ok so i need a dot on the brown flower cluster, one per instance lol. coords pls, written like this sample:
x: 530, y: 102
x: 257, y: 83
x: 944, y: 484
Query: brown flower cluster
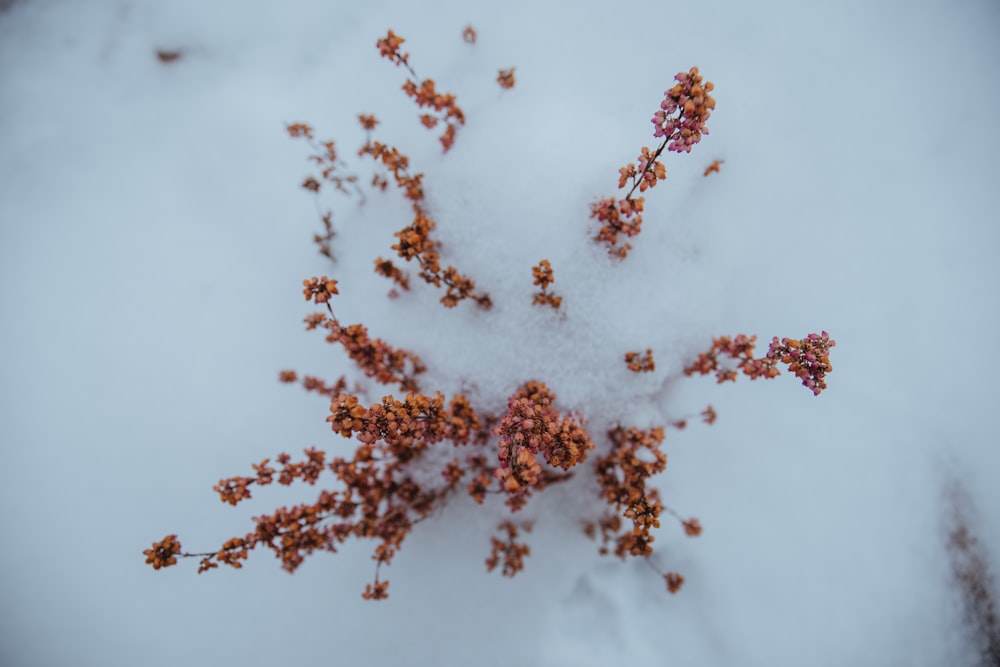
x: 708, y: 415
x: 543, y: 278
x: 713, y: 168
x: 692, y: 527
x: 414, y: 241
x: 378, y: 590
x: 319, y: 290
x: 623, y: 217
x: 506, y: 78
x: 640, y: 363
x: 237, y: 489
x: 469, y: 35
x: 649, y: 172
x: 379, y: 500
x: 618, y: 218
x: 385, y: 267
x: 506, y: 550
x: 623, y: 478
x: 376, y: 358
x: 163, y: 553
x: 533, y: 426
x: 674, y: 581
x: 315, y: 384
x: 405, y: 427
x: 374, y: 506
x: 423, y: 91
x: 622, y: 475
x: 741, y: 348
x: 296, y: 130
x: 808, y: 358
x: 397, y: 165
x: 388, y: 47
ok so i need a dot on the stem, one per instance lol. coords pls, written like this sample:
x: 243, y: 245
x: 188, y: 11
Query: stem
x: 649, y: 167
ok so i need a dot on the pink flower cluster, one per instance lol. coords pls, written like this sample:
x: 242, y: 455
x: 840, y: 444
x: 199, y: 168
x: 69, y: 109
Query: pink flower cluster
x: 690, y: 100
x: 690, y: 97
x: 808, y: 358
x: 532, y: 426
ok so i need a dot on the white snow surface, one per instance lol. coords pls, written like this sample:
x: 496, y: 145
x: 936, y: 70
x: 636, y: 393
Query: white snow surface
x: 153, y: 239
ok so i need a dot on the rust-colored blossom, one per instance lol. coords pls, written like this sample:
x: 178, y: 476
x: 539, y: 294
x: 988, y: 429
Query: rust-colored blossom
x: 507, y: 551
x: 163, y: 553
x: 319, y: 290
x: 640, y: 363
x: 424, y: 91
x: 300, y: 130
x: 388, y: 47
x: 709, y: 415
x: 692, y: 527
x: 506, y: 78
x: 543, y: 278
x: 415, y: 241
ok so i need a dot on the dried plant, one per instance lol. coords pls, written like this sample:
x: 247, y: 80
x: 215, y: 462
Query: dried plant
x: 680, y: 121
x: 390, y: 482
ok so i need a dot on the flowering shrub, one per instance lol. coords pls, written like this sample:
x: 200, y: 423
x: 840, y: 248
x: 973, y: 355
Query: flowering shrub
x: 414, y: 453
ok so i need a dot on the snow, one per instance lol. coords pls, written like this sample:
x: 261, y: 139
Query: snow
x: 153, y: 239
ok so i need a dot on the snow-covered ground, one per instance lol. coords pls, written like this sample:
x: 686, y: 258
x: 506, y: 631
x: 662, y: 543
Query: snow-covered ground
x: 153, y: 238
